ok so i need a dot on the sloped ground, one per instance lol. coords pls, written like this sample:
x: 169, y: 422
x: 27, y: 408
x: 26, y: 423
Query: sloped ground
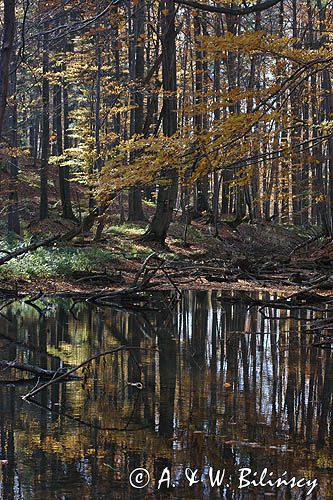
x: 261, y: 256
x: 322, y: 253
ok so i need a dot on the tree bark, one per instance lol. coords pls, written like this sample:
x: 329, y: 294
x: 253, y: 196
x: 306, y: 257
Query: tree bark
x: 44, y: 207
x: 13, y: 213
x: 136, y: 61
x: 167, y: 195
x: 201, y: 185
x: 64, y: 186
x: 67, y: 202
x: 5, y: 56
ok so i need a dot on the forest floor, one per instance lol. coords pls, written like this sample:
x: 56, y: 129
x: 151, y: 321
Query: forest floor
x: 262, y: 256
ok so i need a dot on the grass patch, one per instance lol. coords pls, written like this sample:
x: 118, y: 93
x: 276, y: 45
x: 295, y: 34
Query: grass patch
x: 194, y: 235
x: 60, y: 261
x: 127, y: 229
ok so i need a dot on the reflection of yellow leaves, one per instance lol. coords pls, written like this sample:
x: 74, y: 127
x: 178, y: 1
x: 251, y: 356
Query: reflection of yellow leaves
x: 68, y: 446
x: 324, y: 461
x: 165, y: 12
x: 227, y: 385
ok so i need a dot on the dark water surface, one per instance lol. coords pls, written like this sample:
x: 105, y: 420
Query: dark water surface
x: 228, y: 388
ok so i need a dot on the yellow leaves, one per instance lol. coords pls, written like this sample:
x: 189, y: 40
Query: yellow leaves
x: 9, y: 151
x: 165, y: 12
x: 253, y: 42
x: 245, y: 43
x: 138, y: 161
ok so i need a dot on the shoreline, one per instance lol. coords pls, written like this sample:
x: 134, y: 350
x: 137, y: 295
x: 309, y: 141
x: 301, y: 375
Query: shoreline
x: 67, y: 288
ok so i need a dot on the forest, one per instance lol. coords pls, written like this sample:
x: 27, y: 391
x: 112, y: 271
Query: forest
x: 143, y: 116
x: 165, y: 111
x: 166, y: 248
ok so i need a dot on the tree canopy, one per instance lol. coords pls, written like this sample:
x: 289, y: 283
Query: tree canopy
x: 226, y: 109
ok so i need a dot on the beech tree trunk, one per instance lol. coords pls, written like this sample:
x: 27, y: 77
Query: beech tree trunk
x: 64, y: 186
x: 201, y: 186
x: 44, y: 206
x: 13, y: 213
x: 217, y: 116
x: 227, y: 195
x: 67, y: 201
x: 61, y: 124
x: 167, y: 195
x: 136, y: 60
x: 5, y: 56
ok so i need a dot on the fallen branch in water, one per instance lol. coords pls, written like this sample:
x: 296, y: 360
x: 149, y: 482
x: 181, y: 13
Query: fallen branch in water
x: 65, y: 375
x: 91, y: 425
x: 327, y: 343
x: 142, y: 282
x: 36, y: 370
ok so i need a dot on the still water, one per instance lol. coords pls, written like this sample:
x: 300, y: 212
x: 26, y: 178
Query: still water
x: 223, y: 386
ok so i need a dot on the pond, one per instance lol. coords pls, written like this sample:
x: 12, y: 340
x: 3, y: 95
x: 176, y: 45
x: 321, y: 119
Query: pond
x: 209, y: 384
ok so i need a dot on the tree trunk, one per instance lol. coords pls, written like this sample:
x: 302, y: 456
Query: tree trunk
x: 98, y: 162
x: 217, y: 117
x: 201, y: 185
x: 13, y: 214
x: 227, y: 196
x: 296, y: 172
x: 252, y: 191
x: 167, y: 196
x: 136, y: 61
x: 67, y: 202
x: 44, y: 208
x: 64, y: 187
x: 5, y: 56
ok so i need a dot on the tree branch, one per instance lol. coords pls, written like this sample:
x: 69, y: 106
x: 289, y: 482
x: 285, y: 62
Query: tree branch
x: 233, y: 11
x: 67, y: 373
x: 36, y: 370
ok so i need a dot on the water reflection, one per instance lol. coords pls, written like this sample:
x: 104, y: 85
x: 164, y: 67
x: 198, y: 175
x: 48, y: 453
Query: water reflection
x: 228, y: 388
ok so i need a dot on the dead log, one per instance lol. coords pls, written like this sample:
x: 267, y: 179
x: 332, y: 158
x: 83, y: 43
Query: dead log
x: 306, y: 243
x: 141, y: 282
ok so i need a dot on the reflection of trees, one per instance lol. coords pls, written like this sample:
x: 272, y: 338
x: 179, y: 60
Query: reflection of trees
x: 8, y: 444
x: 280, y: 387
x: 167, y: 372
x: 325, y: 400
